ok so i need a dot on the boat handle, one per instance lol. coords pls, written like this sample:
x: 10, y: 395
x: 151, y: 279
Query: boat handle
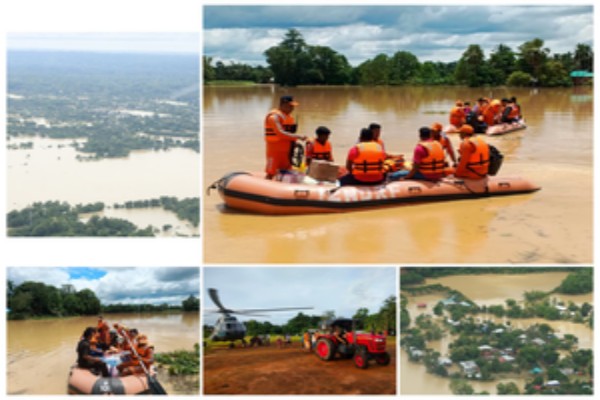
x: 301, y: 194
x: 414, y: 189
x: 504, y: 184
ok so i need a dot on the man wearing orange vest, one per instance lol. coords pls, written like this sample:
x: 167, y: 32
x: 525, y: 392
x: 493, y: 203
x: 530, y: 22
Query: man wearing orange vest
x: 145, y: 354
x: 319, y: 148
x: 474, y: 155
x: 457, y: 114
x: 437, y: 135
x: 280, y: 136
x: 365, y: 162
x: 429, y: 160
x: 103, y: 333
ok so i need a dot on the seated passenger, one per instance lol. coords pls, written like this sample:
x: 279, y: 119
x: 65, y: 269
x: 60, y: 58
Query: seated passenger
x: 510, y: 113
x: 457, y: 114
x: 438, y: 135
x: 365, y: 162
x: 84, y: 357
x: 474, y: 155
x: 376, y: 129
x: 320, y: 147
x: 145, y: 355
x: 429, y: 160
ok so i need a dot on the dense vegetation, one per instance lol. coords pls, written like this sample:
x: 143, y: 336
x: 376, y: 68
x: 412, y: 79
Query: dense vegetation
x: 181, y: 362
x: 118, y: 102
x: 294, y: 62
x: 186, y: 209
x: 54, y: 218
x: 578, y: 282
x: 36, y: 299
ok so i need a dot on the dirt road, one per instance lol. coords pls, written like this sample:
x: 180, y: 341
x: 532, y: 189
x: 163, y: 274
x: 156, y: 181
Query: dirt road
x: 271, y: 370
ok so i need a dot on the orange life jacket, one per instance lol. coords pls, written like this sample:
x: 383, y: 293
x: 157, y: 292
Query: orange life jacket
x: 146, y: 354
x: 368, y: 166
x: 478, y: 163
x: 272, y: 132
x: 457, y: 116
x: 321, y: 151
x: 435, y: 162
x: 514, y: 112
x: 104, y: 332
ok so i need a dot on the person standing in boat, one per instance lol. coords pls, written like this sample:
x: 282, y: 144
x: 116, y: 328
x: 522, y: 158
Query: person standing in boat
x: 280, y: 136
x: 104, y: 341
x: 365, y: 162
x: 85, y: 359
x: 429, y: 160
x: 320, y: 147
x: 474, y: 155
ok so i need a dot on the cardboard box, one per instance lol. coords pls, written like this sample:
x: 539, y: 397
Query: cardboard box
x: 323, y: 170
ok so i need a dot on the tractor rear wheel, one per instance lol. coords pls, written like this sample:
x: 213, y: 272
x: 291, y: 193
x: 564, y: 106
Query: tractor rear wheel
x: 325, y: 349
x: 361, y: 359
x: 383, y: 359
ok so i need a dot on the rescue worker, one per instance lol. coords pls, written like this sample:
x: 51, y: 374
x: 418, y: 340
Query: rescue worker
x: 365, y: 162
x: 438, y: 135
x: 429, y: 159
x: 474, y: 155
x: 457, y: 114
x: 145, y: 354
x: 103, y: 333
x: 280, y: 136
x: 393, y: 162
x: 85, y: 359
x: 511, y: 112
x: 492, y: 113
x: 306, y: 338
x: 376, y: 129
x: 320, y: 147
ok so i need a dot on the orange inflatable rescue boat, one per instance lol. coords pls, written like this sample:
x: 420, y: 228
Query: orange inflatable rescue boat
x: 252, y: 193
x: 83, y: 381
x: 494, y: 130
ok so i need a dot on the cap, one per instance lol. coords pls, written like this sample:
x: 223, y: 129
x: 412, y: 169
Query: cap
x: 289, y: 100
x: 436, y: 126
x: 468, y: 129
x: 322, y: 130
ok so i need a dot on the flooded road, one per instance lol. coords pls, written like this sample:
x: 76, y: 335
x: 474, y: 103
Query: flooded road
x: 40, y: 352
x: 50, y: 171
x: 550, y: 226
x: 487, y: 289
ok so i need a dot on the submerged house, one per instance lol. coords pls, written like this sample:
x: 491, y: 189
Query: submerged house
x: 581, y: 77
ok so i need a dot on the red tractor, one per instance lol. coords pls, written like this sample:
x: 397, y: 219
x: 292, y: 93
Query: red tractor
x: 343, y: 338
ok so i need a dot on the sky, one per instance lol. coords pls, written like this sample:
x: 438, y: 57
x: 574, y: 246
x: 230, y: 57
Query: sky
x: 432, y: 33
x: 107, y: 42
x: 154, y: 285
x: 340, y: 289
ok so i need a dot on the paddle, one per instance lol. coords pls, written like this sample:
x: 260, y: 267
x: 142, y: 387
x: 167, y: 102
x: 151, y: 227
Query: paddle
x: 153, y: 384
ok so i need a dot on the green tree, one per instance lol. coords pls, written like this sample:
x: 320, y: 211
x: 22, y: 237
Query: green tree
x: 208, y: 71
x: 583, y: 58
x: 532, y: 57
x: 289, y: 60
x: 89, y: 303
x: 507, y: 388
x: 461, y: 386
x: 375, y: 71
x: 471, y: 69
x: 327, y: 66
x: 502, y: 64
x: 192, y: 303
x: 402, y: 67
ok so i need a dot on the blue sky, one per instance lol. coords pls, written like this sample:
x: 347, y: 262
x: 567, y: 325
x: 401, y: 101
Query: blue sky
x: 154, y: 285
x: 149, y: 42
x: 432, y: 33
x: 340, y: 289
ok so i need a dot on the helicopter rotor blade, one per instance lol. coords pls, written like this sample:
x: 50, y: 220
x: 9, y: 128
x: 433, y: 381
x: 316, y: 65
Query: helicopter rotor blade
x: 252, y: 310
x: 214, y: 296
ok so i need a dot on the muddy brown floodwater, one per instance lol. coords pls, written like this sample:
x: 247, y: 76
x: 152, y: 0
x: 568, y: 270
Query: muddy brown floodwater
x: 553, y: 225
x: 487, y: 289
x: 40, y: 352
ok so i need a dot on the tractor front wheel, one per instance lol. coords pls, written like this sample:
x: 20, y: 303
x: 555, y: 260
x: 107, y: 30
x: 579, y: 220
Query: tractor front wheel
x: 325, y: 349
x: 361, y: 359
x: 383, y: 359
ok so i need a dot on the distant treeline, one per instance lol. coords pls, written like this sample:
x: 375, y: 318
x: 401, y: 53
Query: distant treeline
x: 54, y: 218
x: 580, y: 279
x: 36, y: 299
x: 382, y: 320
x: 294, y: 62
x: 186, y: 209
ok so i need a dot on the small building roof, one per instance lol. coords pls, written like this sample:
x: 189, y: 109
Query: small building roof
x: 581, y: 74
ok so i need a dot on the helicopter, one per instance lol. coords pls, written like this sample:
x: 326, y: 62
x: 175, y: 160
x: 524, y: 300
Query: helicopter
x: 228, y: 328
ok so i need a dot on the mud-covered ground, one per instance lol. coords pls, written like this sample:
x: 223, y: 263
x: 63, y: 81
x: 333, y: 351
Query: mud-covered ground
x: 292, y: 370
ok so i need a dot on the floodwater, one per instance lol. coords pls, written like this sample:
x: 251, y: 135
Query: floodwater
x: 50, y: 171
x: 40, y: 352
x: 553, y: 225
x: 487, y: 290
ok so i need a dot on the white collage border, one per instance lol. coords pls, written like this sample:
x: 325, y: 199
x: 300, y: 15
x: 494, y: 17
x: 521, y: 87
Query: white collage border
x: 135, y: 16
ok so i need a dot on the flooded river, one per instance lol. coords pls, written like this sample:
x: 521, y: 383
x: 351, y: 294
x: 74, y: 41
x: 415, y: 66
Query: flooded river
x: 487, y: 290
x: 40, y: 352
x: 51, y: 171
x: 550, y: 226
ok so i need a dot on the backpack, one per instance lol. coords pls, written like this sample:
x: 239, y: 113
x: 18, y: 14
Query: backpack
x: 496, y: 159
